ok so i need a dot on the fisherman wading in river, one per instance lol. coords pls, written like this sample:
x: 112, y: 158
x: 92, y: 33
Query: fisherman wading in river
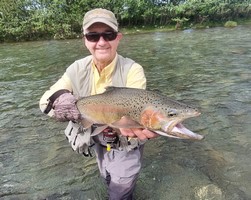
x: 103, y: 98
x: 89, y: 76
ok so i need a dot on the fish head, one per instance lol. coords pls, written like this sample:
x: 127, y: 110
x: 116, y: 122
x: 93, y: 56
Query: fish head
x: 172, y: 123
x: 167, y: 120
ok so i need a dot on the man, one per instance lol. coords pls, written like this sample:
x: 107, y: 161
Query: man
x: 89, y: 76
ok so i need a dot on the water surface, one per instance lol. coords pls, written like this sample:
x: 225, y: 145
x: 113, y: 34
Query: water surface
x: 209, y: 69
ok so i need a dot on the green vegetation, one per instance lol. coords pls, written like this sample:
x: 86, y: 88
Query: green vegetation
x: 45, y: 19
x: 230, y: 24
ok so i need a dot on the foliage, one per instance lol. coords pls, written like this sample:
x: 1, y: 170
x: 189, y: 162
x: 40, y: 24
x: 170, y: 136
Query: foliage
x: 230, y: 24
x: 40, y: 19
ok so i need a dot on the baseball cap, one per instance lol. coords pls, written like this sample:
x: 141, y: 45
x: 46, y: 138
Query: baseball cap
x: 100, y: 15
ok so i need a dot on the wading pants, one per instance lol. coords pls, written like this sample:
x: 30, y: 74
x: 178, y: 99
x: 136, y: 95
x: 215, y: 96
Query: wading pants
x: 120, y: 170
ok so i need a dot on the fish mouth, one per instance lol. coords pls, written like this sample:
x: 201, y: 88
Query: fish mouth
x: 180, y: 131
x: 175, y: 129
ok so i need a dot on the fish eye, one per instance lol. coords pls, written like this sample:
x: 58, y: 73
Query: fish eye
x: 172, y: 113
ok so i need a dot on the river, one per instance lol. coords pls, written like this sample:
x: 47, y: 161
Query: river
x: 209, y: 69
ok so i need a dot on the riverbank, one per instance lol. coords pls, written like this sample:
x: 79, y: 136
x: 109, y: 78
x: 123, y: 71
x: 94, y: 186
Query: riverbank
x: 139, y: 30
x: 172, y: 27
x: 167, y: 28
x: 43, y: 20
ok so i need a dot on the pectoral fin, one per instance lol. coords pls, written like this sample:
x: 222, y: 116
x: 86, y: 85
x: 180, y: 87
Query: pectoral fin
x: 126, y: 122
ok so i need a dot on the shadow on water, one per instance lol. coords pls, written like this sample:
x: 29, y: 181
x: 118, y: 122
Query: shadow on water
x: 209, y: 69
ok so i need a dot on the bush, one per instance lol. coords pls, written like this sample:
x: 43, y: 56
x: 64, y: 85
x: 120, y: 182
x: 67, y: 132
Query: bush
x: 230, y: 24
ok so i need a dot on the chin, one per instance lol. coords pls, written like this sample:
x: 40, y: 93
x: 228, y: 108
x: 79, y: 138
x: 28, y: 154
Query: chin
x: 103, y: 57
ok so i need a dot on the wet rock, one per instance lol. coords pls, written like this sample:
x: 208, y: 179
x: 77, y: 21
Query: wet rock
x: 210, y: 191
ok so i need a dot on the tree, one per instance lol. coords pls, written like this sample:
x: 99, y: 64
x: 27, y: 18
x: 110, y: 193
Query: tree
x: 35, y: 19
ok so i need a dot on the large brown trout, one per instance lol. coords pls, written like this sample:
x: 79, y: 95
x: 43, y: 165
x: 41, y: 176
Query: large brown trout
x: 138, y: 108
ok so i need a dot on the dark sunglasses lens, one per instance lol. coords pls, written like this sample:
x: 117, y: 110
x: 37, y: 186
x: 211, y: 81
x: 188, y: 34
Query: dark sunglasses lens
x: 109, y: 36
x: 94, y: 37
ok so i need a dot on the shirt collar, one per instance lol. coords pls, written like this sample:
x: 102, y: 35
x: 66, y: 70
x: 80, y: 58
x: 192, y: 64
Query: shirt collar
x: 108, y: 70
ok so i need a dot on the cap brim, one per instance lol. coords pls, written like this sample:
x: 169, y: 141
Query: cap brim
x: 100, y: 20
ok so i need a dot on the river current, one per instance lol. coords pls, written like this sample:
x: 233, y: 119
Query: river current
x: 209, y: 69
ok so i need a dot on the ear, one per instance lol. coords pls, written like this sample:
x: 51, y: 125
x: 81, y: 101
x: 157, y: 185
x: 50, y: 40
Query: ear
x: 120, y: 36
x: 84, y: 41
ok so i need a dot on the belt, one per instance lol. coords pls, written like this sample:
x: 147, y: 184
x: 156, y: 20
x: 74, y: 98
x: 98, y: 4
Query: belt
x: 109, y: 139
x: 129, y: 145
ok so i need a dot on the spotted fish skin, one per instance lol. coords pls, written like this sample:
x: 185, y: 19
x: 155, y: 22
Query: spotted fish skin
x: 137, y: 108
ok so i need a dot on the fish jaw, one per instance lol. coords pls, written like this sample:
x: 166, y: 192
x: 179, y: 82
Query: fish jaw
x: 181, y: 132
x: 176, y: 129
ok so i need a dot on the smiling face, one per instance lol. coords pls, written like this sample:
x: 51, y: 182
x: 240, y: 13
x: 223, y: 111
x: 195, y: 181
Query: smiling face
x: 103, y: 52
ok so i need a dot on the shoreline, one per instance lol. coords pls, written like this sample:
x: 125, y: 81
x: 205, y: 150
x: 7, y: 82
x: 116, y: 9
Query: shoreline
x: 167, y: 28
x: 145, y: 29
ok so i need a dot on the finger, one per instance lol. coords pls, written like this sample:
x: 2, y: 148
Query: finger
x: 149, y: 134
x: 139, y: 133
x: 127, y: 132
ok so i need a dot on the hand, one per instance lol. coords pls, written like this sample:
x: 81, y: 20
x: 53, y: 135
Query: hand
x: 65, y: 108
x: 142, y: 134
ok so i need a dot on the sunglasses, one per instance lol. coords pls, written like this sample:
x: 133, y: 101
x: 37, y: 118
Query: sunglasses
x: 95, y: 37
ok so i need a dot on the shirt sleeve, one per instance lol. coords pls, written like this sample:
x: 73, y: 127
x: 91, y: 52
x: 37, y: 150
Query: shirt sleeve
x: 63, y: 83
x: 136, y: 77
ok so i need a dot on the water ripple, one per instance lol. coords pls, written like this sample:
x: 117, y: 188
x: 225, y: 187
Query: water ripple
x: 209, y: 69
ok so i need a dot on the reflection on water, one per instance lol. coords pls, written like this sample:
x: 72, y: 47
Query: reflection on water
x: 208, y: 68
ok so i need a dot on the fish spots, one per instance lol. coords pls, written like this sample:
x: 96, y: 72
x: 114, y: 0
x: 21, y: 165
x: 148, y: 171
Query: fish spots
x: 148, y: 108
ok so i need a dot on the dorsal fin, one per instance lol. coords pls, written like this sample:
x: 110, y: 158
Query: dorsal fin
x: 111, y: 88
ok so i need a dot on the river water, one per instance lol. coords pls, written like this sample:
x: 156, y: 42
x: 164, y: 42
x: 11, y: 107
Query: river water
x: 209, y: 69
